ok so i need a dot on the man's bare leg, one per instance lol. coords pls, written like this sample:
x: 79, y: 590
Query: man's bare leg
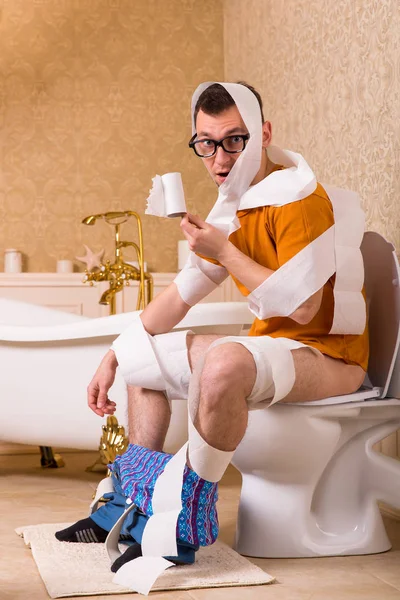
x: 148, y: 410
x: 148, y: 417
x: 226, y: 381
x: 228, y: 378
x: 320, y: 376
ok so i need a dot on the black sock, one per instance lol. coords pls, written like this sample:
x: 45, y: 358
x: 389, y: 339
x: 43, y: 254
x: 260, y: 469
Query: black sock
x: 85, y: 531
x: 130, y: 553
x: 135, y: 551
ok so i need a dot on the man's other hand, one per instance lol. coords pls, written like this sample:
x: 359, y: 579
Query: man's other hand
x: 103, y: 379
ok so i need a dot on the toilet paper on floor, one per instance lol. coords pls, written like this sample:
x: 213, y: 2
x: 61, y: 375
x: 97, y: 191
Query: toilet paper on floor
x: 167, y: 198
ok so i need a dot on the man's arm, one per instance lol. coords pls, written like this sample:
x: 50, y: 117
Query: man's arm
x: 160, y: 316
x: 164, y: 312
x: 209, y: 241
x: 251, y: 274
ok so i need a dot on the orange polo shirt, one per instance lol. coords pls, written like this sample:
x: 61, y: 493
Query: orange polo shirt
x: 272, y: 235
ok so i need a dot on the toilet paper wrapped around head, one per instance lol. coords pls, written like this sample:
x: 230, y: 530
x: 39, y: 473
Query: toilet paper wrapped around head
x: 167, y: 198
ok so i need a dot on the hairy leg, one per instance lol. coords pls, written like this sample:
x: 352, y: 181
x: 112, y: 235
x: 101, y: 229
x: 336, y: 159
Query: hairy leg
x: 148, y: 417
x: 228, y: 378
x: 226, y: 381
x: 148, y: 410
x: 320, y: 376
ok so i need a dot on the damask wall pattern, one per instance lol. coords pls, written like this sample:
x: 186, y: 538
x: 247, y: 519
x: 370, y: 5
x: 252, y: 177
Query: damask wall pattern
x: 329, y: 74
x: 94, y: 101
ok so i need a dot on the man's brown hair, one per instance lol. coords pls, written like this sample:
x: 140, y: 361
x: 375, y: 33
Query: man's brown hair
x: 215, y: 99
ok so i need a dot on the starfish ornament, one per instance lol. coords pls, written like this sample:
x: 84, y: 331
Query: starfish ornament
x: 91, y: 260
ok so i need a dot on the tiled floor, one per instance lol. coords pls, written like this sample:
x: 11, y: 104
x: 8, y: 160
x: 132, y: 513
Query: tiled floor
x: 30, y: 495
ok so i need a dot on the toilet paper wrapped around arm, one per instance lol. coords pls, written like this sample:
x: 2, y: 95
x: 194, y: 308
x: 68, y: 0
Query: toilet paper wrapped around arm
x: 167, y: 198
x: 198, y: 278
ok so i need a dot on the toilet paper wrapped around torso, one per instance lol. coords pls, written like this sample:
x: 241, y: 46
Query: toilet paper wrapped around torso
x: 335, y: 251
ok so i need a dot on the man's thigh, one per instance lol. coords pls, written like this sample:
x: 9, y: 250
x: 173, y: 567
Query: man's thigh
x: 317, y: 376
x: 320, y: 376
x: 198, y: 345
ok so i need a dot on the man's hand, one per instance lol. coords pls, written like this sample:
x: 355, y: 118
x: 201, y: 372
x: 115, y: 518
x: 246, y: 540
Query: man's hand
x: 103, y: 379
x: 203, y: 237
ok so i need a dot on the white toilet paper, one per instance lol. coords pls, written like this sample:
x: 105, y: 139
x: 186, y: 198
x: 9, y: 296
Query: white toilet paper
x: 183, y: 253
x: 167, y: 198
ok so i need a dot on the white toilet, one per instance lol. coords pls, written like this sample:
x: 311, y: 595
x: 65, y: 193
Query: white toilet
x: 311, y: 480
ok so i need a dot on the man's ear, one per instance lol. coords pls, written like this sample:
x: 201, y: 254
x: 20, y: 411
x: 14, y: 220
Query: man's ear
x: 267, y: 134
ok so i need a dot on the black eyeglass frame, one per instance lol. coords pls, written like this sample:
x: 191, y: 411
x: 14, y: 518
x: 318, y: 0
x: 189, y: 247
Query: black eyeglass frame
x: 192, y: 144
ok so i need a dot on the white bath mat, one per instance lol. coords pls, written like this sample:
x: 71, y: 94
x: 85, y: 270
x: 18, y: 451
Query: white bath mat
x: 70, y: 569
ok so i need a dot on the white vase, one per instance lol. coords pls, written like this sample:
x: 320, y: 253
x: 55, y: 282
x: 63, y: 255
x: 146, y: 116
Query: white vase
x: 12, y: 261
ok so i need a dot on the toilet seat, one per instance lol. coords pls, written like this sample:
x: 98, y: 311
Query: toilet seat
x: 363, y: 394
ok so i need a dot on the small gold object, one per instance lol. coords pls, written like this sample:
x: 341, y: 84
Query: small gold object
x: 49, y: 460
x: 112, y: 443
x: 119, y: 273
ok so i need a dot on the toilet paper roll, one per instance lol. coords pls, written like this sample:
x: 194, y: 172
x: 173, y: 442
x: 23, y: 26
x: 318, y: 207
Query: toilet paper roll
x: 167, y: 198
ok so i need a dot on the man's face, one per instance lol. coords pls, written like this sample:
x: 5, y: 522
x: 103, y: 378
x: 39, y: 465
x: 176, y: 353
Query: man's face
x: 216, y: 128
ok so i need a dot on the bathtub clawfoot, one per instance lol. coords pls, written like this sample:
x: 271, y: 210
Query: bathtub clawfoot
x: 49, y: 460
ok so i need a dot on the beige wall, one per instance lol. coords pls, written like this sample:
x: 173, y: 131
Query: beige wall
x: 329, y: 73
x: 94, y: 101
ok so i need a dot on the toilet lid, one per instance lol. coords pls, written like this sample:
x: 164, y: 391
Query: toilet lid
x: 382, y: 277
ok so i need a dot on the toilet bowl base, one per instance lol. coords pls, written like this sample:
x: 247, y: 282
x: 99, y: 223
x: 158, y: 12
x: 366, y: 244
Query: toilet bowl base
x: 279, y: 531
x: 312, y: 480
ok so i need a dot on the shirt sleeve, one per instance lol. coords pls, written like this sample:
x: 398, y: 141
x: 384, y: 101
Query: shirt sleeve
x: 214, y: 261
x: 293, y: 226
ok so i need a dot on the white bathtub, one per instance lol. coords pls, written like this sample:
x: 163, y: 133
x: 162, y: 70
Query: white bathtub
x: 48, y: 357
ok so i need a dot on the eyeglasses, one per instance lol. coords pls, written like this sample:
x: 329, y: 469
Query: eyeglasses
x: 232, y: 144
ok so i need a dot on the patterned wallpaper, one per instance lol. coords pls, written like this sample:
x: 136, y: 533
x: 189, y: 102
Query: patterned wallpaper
x: 329, y: 73
x: 94, y: 101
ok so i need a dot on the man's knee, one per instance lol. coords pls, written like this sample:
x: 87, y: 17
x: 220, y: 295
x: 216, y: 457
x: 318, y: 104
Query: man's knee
x: 229, y: 369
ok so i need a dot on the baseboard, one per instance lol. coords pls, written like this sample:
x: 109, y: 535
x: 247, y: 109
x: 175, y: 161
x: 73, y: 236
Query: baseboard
x: 388, y: 511
x: 7, y: 449
x: 12, y: 449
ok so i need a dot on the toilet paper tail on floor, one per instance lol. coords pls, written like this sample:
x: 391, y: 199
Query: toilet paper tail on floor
x: 167, y: 198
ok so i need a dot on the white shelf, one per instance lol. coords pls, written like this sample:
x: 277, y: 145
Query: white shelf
x: 68, y: 292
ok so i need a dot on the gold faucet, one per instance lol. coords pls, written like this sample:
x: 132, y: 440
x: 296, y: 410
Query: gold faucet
x: 119, y: 273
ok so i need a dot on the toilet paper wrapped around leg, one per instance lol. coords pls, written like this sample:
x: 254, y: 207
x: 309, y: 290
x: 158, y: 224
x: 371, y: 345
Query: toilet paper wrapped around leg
x: 166, y: 512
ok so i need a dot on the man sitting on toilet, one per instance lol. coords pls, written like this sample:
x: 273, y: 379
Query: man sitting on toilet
x: 293, y: 250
